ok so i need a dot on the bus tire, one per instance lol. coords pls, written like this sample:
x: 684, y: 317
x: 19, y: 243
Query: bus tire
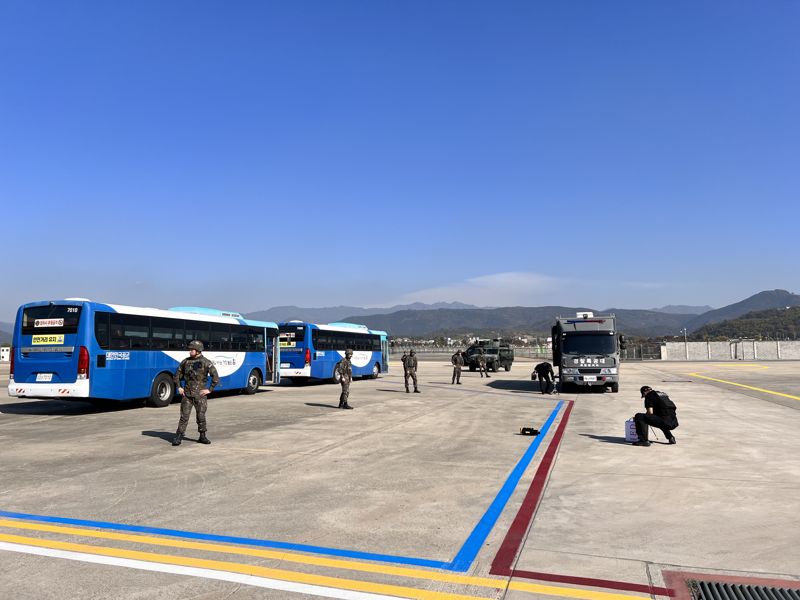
x: 253, y: 382
x: 507, y: 368
x: 376, y: 370
x: 614, y: 387
x: 336, y: 376
x: 163, y: 391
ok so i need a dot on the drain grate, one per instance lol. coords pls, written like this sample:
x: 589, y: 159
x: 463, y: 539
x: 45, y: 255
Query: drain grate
x: 718, y: 590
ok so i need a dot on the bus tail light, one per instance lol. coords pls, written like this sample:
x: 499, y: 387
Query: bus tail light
x: 308, y: 356
x: 83, y: 363
x: 11, y: 372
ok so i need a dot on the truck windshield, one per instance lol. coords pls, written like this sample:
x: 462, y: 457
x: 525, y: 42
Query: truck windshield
x: 588, y: 344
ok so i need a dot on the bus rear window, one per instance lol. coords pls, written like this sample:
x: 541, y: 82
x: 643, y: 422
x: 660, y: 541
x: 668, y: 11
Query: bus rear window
x: 55, y: 318
x: 291, y: 336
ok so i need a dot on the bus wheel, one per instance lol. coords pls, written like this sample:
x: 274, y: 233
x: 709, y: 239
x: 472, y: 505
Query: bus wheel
x: 376, y: 370
x: 614, y: 387
x: 336, y: 375
x: 163, y: 391
x: 507, y: 367
x: 253, y: 382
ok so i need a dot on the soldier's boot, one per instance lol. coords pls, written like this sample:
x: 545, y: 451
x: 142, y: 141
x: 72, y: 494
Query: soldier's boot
x: 347, y: 406
x: 176, y: 441
x: 416, y: 391
x: 407, y: 390
x: 203, y: 439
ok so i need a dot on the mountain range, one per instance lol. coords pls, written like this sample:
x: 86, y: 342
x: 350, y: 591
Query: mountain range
x: 456, y: 318
x: 333, y: 314
x: 538, y: 320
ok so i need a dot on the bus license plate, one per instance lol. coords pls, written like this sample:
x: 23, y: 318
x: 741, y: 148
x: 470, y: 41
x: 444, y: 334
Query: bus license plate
x: 590, y: 377
x: 44, y: 377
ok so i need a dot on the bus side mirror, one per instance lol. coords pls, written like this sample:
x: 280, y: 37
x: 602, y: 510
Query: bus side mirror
x: 622, y: 342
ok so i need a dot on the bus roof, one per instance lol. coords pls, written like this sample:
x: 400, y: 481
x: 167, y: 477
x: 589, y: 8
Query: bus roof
x: 353, y: 327
x: 195, y: 312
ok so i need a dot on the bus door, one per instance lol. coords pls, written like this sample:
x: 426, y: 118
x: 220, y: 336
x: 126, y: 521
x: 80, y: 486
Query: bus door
x: 384, y: 355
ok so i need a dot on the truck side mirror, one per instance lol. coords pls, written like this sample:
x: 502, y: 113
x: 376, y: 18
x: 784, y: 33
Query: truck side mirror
x: 622, y: 343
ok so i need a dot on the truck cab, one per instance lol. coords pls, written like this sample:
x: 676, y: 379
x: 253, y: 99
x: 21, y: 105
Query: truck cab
x: 586, y: 351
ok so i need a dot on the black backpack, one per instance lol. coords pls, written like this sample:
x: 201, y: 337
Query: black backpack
x: 667, y: 405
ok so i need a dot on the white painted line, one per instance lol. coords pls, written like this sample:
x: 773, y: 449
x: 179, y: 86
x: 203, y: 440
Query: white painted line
x: 262, y: 582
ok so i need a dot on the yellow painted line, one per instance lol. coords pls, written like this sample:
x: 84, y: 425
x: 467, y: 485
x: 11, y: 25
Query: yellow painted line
x: 749, y: 365
x: 747, y: 387
x: 333, y: 563
x: 217, y: 565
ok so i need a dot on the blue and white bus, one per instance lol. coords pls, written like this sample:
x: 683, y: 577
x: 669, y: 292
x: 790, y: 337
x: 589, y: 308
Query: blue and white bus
x: 75, y: 348
x: 311, y: 351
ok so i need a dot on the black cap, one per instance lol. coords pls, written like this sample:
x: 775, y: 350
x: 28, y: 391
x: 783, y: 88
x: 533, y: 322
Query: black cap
x: 644, y: 389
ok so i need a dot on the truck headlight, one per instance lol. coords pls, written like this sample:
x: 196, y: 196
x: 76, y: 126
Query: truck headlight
x: 609, y: 371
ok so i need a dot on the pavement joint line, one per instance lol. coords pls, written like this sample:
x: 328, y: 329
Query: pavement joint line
x: 296, y: 576
x: 747, y: 387
x: 462, y: 561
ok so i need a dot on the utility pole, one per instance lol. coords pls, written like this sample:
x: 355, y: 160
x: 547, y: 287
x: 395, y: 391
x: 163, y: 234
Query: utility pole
x: 685, y: 343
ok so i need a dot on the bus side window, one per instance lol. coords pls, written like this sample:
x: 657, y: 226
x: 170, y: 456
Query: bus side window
x: 118, y: 340
x: 101, y: 329
x: 137, y: 331
x: 197, y: 331
x: 239, y: 337
x: 220, y: 338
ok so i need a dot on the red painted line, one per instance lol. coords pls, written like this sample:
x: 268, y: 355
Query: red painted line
x: 591, y: 582
x: 504, y: 560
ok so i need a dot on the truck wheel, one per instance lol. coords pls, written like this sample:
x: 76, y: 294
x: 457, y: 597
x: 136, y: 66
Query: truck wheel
x: 614, y: 388
x: 494, y: 368
x: 253, y: 382
x: 507, y: 367
x: 162, y: 392
x: 472, y: 368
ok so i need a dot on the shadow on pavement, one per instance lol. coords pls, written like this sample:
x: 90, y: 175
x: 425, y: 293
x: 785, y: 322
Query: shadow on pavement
x: 322, y: 405
x: 514, y: 385
x: 66, y: 407
x: 162, y: 435
x: 609, y: 439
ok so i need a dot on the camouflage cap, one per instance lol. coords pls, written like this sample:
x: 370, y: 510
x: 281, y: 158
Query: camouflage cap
x: 195, y: 345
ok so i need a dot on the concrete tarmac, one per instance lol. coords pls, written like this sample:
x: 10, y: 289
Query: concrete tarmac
x: 431, y: 495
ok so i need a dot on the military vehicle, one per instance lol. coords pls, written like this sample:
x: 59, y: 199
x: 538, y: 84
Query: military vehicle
x: 498, y: 355
x: 586, y: 351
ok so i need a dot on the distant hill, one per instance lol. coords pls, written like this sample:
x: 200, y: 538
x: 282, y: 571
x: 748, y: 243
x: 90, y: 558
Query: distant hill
x: 761, y: 301
x: 773, y: 323
x: 332, y: 314
x: 683, y: 309
x: 514, y: 319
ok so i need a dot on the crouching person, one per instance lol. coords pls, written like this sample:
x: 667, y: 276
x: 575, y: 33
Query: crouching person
x: 660, y: 413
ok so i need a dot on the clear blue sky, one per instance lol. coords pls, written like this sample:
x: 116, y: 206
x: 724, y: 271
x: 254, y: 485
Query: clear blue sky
x: 249, y: 154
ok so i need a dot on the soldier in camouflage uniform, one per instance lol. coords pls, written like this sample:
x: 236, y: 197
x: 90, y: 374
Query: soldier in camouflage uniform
x: 458, y: 362
x: 410, y: 369
x: 482, y: 364
x: 345, y: 371
x: 195, y: 371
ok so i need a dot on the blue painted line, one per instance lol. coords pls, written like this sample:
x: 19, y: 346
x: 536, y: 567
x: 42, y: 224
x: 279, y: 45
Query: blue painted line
x: 463, y: 560
x: 388, y: 558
